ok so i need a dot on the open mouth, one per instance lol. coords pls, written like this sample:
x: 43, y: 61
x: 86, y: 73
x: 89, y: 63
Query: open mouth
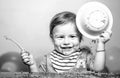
x: 66, y: 48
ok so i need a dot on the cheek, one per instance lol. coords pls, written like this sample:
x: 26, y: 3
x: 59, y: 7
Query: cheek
x: 56, y: 42
x: 76, y: 42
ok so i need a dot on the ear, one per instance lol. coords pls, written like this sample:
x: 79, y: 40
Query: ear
x: 52, y: 39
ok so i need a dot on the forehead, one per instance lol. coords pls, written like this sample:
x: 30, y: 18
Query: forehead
x: 68, y: 28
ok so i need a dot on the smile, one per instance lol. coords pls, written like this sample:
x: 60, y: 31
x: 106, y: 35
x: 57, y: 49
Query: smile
x: 66, y: 47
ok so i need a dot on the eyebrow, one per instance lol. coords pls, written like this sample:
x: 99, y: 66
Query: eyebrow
x: 56, y: 35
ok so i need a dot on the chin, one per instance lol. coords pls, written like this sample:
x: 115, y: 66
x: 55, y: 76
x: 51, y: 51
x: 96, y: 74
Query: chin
x: 68, y: 52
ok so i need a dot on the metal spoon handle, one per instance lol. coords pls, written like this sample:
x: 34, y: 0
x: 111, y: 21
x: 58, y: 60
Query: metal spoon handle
x: 15, y: 42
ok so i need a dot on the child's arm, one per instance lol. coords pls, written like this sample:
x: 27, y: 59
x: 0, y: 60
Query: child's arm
x: 100, y: 56
x: 29, y: 60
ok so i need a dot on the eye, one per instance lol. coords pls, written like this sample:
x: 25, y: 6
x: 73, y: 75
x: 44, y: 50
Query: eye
x: 60, y: 37
x: 73, y: 36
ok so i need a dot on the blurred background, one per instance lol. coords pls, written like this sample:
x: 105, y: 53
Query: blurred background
x: 27, y: 22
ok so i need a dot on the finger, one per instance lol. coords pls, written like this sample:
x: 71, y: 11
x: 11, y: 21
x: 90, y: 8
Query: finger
x: 30, y: 63
x: 26, y: 60
x: 105, y: 34
x: 102, y: 34
x: 26, y: 57
x: 109, y: 32
x: 25, y: 53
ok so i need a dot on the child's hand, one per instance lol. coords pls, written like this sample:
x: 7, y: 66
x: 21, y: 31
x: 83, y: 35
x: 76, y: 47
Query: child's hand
x: 105, y: 37
x: 27, y: 58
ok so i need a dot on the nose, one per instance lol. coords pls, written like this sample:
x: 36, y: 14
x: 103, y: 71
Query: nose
x: 66, y: 41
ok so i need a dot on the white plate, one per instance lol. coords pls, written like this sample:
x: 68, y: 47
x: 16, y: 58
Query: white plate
x: 93, y: 18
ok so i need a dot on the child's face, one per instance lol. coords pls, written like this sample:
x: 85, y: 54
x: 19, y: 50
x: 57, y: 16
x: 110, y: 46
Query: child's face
x: 65, y: 38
